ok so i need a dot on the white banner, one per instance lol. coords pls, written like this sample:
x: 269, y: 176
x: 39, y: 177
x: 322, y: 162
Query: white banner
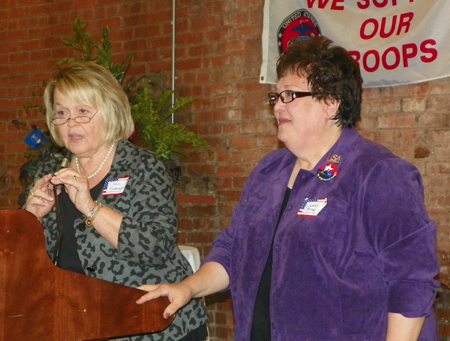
x: 395, y: 42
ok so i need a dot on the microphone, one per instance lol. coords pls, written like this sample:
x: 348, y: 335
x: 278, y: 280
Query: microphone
x: 57, y: 248
x: 65, y: 160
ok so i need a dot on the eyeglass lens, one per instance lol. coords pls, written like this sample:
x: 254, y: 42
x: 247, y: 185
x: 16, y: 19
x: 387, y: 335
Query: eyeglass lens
x: 286, y: 96
x: 78, y: 119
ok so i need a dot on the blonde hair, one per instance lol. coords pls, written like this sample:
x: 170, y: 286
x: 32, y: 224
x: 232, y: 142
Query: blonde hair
x: 88, y: 83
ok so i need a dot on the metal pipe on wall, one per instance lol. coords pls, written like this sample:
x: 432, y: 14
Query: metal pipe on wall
x: 173, y: 56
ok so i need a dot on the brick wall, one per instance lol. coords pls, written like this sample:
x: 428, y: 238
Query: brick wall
x: 218, y: 60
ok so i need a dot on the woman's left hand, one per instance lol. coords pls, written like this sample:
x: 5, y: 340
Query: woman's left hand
x: 76, y: 186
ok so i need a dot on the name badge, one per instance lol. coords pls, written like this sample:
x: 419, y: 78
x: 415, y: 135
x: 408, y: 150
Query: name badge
x: 115, y: 186
x: 312, y: 207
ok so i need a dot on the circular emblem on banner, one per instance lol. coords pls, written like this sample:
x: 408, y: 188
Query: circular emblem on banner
x: 299, y: 25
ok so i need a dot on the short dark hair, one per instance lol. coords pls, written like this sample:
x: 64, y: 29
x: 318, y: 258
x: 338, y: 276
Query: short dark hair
x: 331, y: 73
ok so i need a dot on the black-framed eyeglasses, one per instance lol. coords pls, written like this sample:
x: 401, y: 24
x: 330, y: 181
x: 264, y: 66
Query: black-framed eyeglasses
x: 286, y: 96
x: 57, y: 121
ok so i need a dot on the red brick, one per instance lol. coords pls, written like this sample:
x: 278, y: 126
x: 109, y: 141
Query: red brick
x: 196, y: 199
x: 397, y: 121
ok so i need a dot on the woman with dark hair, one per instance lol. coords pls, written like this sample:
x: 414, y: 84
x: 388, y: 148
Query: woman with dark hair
x: 118, y: 209
x: 330, y: 239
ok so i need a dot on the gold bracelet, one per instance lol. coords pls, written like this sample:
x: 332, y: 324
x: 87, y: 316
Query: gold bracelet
x: 88, y: 221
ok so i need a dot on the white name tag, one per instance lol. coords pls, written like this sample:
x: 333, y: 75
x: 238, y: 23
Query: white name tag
x: 115, y: 186
x: 312, y: 207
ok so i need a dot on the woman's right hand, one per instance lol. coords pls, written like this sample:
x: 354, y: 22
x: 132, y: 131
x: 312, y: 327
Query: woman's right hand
x: 209, y: 279
x: 41, y: 199
x: 178, y: 294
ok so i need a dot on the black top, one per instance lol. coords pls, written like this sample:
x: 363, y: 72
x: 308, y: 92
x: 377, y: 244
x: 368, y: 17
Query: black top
x: 68, y: 255
x: 261, y: 330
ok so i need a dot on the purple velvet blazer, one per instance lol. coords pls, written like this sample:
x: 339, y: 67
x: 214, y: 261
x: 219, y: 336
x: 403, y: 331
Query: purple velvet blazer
x: 371, y: 250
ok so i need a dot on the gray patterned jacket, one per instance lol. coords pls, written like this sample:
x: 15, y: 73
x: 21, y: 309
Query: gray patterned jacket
x: 147, y: 253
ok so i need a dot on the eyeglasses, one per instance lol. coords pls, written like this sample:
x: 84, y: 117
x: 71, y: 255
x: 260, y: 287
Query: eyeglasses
x: 57, y: 121
x: 286, y: 96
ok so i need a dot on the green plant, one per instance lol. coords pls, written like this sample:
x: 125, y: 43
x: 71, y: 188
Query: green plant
x: 100, y: 53
x: 152, y: 115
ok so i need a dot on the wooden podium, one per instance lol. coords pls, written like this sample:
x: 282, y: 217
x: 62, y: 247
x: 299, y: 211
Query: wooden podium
x: 41, y: 302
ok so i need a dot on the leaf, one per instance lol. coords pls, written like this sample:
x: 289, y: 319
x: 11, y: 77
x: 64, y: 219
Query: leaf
x: 165, y: 138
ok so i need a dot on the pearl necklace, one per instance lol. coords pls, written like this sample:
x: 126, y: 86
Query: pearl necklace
x: 77, y: 164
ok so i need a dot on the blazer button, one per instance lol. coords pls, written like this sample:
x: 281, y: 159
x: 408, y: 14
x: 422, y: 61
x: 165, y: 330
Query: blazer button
x: 90, y: 268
